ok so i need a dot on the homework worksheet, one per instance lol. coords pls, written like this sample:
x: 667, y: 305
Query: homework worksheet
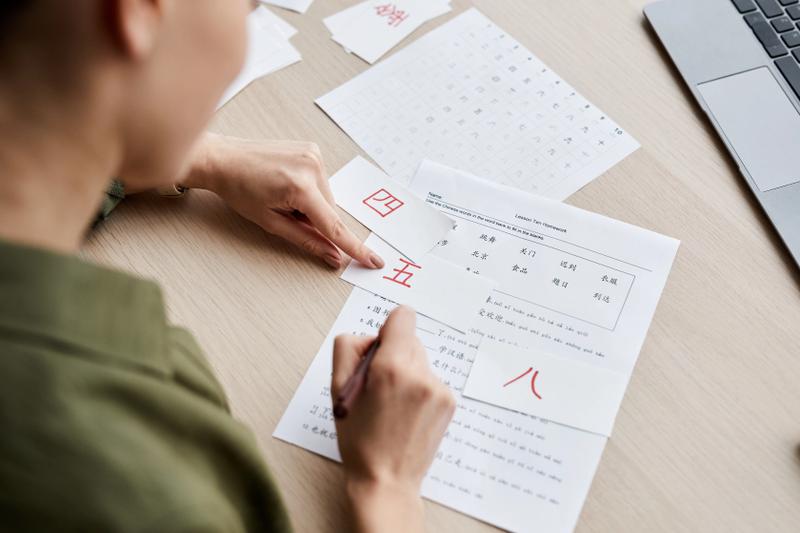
x: 573, y: 283
x: 469, y: 95
x: 509, y: 469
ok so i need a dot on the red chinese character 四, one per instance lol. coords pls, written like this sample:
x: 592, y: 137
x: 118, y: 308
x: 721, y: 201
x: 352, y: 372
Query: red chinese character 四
x: 394, y: 16
x: 403, y: 273
x: 533, y: 381
x: 383, y: 202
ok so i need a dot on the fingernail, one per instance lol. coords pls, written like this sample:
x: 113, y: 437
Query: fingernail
x: 332, y: 260
x: 376, y: 261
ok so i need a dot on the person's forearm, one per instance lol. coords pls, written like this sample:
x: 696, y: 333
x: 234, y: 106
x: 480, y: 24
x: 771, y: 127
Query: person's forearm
x: 384, y: 509
x: 201, y: 169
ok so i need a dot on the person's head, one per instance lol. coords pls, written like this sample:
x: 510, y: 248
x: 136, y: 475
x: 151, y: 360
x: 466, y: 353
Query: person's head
x: 146, y: 73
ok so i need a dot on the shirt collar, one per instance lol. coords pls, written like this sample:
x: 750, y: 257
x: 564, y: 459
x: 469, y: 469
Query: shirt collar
x: 71, y: 301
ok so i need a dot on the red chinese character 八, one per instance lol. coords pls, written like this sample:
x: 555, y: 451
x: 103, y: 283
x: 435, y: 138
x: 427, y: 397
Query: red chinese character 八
x: 404, y: 272
x: 383, y: 202
x: 395, y: 16
x: 533, y: 381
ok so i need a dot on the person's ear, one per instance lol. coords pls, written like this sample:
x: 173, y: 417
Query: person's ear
x: 135, y: 24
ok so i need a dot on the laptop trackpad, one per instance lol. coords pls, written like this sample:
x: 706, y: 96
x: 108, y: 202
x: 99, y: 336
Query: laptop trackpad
x: 761, y: 124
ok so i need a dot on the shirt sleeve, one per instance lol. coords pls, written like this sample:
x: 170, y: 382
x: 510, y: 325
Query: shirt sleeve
x: 114, y: 195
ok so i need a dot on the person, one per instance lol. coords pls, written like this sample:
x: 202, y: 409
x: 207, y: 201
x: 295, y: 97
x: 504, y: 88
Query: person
x: 111, y: 418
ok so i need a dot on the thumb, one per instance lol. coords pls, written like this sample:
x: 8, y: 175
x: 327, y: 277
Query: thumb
x: 398, y: 330
x: 347, y: 352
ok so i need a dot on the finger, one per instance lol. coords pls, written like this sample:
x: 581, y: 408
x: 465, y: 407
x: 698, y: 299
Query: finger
x: 347, y: 352
x: 399, y: 332
x: 312, y: 151
x: 304, y: 236
x: 325, y: 219
x: 327, y: 193
x: 325, y: 188
x: 322, y: 179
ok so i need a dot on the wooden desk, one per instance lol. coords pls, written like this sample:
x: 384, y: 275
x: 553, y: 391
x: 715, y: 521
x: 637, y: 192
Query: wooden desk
x: 708, y: 435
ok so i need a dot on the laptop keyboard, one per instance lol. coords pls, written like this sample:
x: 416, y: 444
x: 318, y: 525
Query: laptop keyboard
x: 776, y: 24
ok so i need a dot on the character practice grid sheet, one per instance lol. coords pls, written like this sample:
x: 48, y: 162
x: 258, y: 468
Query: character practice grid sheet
x: 470, y: 96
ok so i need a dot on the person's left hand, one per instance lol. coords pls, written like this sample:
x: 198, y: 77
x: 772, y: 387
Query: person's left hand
x: 282, y: 186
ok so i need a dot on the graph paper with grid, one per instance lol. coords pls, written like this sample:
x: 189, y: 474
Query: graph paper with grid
x: 470, y: 96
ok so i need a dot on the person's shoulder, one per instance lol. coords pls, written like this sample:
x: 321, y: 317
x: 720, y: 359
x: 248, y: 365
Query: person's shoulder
x: 94, y: 445
x: 190, y: 369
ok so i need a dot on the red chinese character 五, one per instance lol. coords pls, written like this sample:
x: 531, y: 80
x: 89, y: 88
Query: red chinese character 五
x: 394, y: 16
x: 383, y: 202
x: 533, y: 381
x: 403, y: 275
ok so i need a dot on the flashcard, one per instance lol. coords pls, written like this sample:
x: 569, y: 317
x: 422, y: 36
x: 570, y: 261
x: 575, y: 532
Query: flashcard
x: 339, y: 22
x: 435, y: 288
x: 556, y: 388
x: 399, y: 217
x: 373, y: 30
x: 300, y: 6
x: 268, y: 50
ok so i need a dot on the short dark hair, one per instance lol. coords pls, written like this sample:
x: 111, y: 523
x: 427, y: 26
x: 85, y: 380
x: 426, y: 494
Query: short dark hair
x: 38, y: 45
x: 9, y: 11
x: 9, y: 8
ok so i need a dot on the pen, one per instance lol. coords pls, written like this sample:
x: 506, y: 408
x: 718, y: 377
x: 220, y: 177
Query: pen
x: 354, y: 384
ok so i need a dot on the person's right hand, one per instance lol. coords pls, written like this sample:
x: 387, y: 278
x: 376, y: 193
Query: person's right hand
x: 394, y: 428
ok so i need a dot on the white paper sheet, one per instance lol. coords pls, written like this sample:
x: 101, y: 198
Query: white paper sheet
x: 300, y: 6
x: 468, y: 95
x: 563, y: 390
x: 373, y: 28
x: 517, y: 471
x: 391, y: 211
x: 590, y: 282
x: 435, y: 288
x: 269, y: 19
x: 268, y: 50
x: 337, y: 22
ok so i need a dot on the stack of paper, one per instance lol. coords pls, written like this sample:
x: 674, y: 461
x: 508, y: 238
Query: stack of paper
x: 268, y: 50
x: 538, y: 359
x: 372, y: 28
x: 301, y: 6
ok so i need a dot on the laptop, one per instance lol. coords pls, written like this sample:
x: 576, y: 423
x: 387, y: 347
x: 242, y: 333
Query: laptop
x: 741, y: 60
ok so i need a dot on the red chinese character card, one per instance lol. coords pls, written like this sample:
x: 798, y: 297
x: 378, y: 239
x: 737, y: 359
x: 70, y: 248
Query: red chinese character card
x: 562, y: 389
x: 396, y: 215
x: 434, y: 287
x: 372, y: 28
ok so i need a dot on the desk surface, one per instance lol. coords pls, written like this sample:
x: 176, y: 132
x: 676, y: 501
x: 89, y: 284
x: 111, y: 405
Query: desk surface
x: 708, y: 437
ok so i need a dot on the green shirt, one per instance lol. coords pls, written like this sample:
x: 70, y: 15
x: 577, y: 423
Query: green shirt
x: 115, y: 193
x: 111, y: 419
